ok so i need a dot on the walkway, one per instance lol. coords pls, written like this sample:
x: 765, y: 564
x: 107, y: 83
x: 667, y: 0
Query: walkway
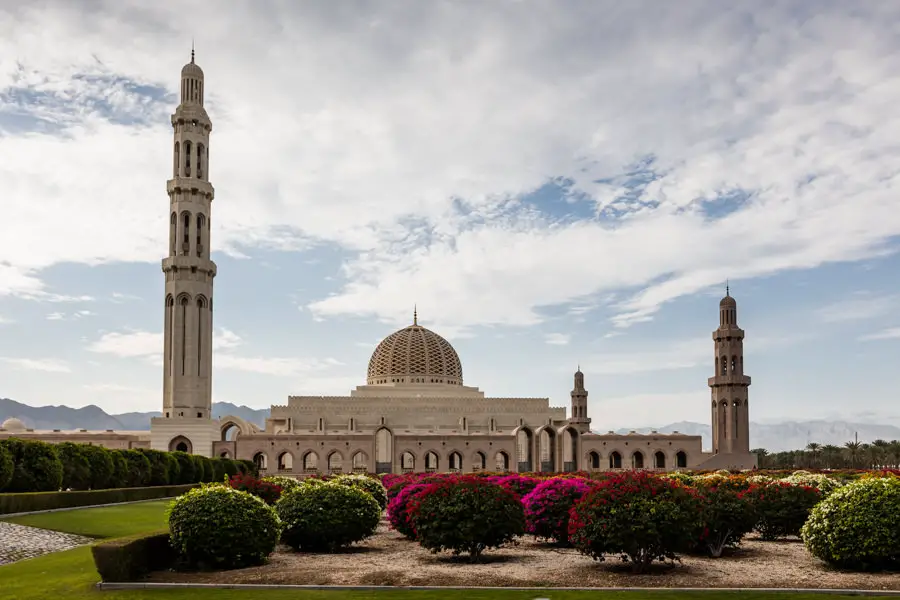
x: 18, y: 542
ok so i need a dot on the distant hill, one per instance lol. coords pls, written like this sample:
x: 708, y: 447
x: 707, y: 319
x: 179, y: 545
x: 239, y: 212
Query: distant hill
x: 774, y: 437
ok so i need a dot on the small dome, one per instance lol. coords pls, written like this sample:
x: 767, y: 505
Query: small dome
x: 13, y: 424
x: 192, y: 69
x: 727, y: 301
x: 414, y: 355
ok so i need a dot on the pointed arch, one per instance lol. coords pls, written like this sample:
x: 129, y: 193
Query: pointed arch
x: 681, y: 461
x: 570, y: 450
x: 177, y: 159
x: 285, y: 461
x: 187, y: 158
x: 432, y: 461
x: 615, y: 460
x: 180, y: 443
x: 455, y: 461
x: 261, y: 460
x: 593, y: 460
x: 359, y: 462
x: 659, y: 460
x: 637, y: 460
x: 479, y: 461
x: 407, y: 462
x: 501, y: 461
x: 310, y: 462
x: 384, y: 450
x: 335, y: 462
x: 524, y: 449
x: 547, y: 442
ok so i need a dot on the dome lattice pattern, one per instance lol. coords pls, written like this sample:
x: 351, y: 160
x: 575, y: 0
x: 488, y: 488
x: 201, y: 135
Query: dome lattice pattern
x: 414, y: 355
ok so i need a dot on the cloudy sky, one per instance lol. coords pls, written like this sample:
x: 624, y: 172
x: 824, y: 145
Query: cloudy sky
x: 552, y: 183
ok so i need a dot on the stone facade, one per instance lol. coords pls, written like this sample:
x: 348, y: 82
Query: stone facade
x: 414, y: 413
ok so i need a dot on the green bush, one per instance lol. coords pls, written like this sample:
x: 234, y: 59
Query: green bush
x: 638, y: 517
x: 100, y: 466
x: 121, y: 476
x: 6, y: 467
x: 285, y: 483
x: 187, y: 467
x: 366, y: 484
x: 164, y: 467
x: 130, y: 558
x: 36, y: 466
x: 139, y: 468
x: 327, y: 517
x: 76, y: 466
x: 203, y: 468
x: 221, y: 528
x: 856, y: 527
x: 728, y: 515
x: 781, y: 508
x: 248, y: 467
x: 465, y: 515
x: 35, y: 501
x: 230, y: 466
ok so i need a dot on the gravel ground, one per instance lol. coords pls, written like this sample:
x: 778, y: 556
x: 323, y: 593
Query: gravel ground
x: 388, y: 559
x: 18, y: 542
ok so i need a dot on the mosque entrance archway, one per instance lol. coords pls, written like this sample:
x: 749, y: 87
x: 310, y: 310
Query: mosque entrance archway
x: 524, y: 449
x: 180, y: 444
x: 384, y: 451
x: 570, y: 450
x: 547, y: 442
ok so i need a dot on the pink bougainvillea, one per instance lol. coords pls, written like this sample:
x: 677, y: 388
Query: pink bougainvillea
x: 397, y: 513
x: 520, y: 484
x: 547, y: 506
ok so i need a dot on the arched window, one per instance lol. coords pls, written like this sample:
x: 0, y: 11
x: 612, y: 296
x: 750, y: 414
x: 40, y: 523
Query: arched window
x: 285, y: 461
x: 455, y: 461
x: 310, y: 462
x: 360, y: 462
x: 335, y: 462
x: 736, y: 414
x: 733, y: 364
x: 594, y: 459
x: 637, y: 460
x: 659, y: 460
x: 260, y: 460
x: 185, y: 231
x: 431, y: 461
x: 480, y: 462
x: 724, y: 365
x: 615, y: 461
x: 200, y: 161
x: 184, y: 321
x: 177, y: 159
x: 681, y: 460
x: 187, y: 159
x: 173, y: 236
x: 407, y: 462
x: 201, y: 225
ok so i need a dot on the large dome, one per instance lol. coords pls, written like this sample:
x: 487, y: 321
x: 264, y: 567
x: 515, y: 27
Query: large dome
x: 414, y: 355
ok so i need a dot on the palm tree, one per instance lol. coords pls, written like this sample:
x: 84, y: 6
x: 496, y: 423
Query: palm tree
x: 879, y: 452
x: 894, y: 453
x: 853, y: 448
x: 831, y: 456
x: 813, y: 448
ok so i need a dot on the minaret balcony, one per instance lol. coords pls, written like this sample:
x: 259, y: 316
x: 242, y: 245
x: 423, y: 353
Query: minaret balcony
x: 188, y: 184
x: 171, y: 263
x: 726, y: 380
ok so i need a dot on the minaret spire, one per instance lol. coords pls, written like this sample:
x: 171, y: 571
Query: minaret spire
x: 192, y: 50
x: 415, y: 315
x: 727, y: 288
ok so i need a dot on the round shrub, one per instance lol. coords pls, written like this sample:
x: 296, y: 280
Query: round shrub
x: 856, y: 526
x: 76, y: 466
x: 466, y: 515
x: 36, y: 466
x: 728, y: 515
x: 138, y: 474
x: 520, y: 484
x: 266, y: 491
x: 6, y: 467
x: 397, y: 509
x: 120, y: 469
x: 216, y: 527
x: 823, y: 483
x: 327, y: 517
x: 100, y: 466
x: 366, y: 484
x: 285, y: 483
x: 547, y: 507
x: 637, y: 516
x: 782, y: 508
x: 187, y: 467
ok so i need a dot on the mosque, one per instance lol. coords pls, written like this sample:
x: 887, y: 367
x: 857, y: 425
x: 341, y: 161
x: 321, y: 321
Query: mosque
x: 414, y: 412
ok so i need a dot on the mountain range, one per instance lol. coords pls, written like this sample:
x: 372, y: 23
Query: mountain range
x: 774, y: 437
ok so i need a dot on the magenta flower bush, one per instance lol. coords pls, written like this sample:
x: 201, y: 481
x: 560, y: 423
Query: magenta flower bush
x: 519, y: 484
x: 547, y: 507
x: 397, y: 509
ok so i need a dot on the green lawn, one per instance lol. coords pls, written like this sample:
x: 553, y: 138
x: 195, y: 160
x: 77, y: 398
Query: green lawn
x: 71, y: 575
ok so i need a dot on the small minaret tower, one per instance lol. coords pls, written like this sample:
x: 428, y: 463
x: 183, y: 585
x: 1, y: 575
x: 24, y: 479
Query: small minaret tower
x: 579, y: 395
x: 189, y: 274
x: 729, y: 385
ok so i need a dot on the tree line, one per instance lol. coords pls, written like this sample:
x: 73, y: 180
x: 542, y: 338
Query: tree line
x: 879, y: 454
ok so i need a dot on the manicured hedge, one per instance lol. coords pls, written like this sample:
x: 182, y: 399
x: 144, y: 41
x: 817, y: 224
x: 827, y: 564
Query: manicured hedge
x: 130, y: 558
x: 34, y: 501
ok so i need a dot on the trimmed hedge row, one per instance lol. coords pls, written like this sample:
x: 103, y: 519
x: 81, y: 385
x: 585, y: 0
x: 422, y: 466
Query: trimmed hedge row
x: 130, y: 558
x: 34, y: 501
x: 28, y: 465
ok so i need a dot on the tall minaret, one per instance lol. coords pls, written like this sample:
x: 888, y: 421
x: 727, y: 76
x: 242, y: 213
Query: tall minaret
x: 189, y: 272
x: 730, y: 411
x: 579, y: 416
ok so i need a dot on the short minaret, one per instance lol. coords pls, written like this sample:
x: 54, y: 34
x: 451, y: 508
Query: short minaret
x: 729, y: 385
x: 579, y: 416
x: 189, y: 272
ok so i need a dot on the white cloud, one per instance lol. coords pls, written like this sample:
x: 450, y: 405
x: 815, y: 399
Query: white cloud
x: 892, y: 333
x: 557, y: 339
x: 148, y: 346
x: 56, y: 316
x: 5, y: 320
x: 450, y: 114
x: 49, y: 365
x: 863, y: 306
